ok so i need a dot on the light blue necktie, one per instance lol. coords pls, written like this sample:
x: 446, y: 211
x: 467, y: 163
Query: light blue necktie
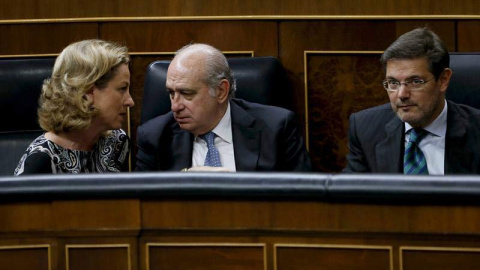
x: 414, y: 161
x: 213, y: 157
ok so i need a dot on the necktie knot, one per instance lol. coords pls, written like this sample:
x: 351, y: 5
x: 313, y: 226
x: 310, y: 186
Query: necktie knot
x: 213, y: 156
x: 416, y: 135
x: 208, y: 138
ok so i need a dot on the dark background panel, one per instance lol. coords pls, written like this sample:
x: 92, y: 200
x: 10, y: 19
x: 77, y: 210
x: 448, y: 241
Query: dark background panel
x: 332, y: 258
x: 39, y: 9
x: 198, y: 257
x: 42, y: 38
x: 446, y: 259
x: 339, y: 85
x: 296, y: 37
x: 258, y: 36
x: 468, y: 39
x: 92, y: 258
x: 15, y: 258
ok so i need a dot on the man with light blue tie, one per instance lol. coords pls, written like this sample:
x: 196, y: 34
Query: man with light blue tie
x: 424, y: 133
x: 208, y: 129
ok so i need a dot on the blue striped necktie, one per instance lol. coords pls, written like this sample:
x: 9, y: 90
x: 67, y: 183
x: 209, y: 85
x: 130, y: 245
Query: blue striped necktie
x: 213, y: 157
x: 414, y: 161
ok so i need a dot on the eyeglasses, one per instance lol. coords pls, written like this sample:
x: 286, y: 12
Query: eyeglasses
x: 413, y: 85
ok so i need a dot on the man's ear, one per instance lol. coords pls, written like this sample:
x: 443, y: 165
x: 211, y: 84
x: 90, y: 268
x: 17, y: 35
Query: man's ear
x: 223, y: 90
x: 445, y: 79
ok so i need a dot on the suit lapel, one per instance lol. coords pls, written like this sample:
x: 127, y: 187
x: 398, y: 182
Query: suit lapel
x: 389, y: 151
x: 181, y: 148
x: 457, y: 159
x: 246, y: 139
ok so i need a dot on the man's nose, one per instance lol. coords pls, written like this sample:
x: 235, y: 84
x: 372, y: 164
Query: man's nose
x: 403, y: 92
x: 176, y: 101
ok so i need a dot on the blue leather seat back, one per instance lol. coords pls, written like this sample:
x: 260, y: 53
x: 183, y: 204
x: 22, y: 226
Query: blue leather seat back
x: 464, y: 85
x: 20, y: 87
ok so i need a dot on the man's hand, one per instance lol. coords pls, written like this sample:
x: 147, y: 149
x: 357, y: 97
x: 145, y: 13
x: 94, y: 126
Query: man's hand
x: 207, y: 169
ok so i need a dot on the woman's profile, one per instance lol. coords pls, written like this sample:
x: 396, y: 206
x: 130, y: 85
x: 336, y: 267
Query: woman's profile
x: 82, y: 107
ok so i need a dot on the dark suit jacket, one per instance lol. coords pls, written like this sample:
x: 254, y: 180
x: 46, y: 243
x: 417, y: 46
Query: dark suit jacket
x: 265, y: 138
x: 377, y: 141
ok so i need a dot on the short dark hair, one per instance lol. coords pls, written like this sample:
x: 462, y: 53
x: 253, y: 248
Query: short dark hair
x: 420, y: 42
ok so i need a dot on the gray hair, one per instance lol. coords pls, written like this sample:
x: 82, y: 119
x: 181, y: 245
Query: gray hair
x: 420, y: 42
x: 216, y: 67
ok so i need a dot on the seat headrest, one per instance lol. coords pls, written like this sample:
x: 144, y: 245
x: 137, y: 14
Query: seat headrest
x: 464, y: 85
x: 20, y: 86
x: 259, y: 79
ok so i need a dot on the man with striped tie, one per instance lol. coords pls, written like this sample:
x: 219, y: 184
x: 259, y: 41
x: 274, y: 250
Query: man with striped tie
x: 424, y: 133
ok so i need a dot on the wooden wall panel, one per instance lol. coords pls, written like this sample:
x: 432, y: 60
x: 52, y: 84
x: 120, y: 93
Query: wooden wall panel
x: 108, y: 214
x: 437, y: 258
x: 25, y: 217
x: 205, y: 257
x: 356, y: 79
x: 257, y: 36
x: 235, y: 214
x: 93, y: 257
x: 97, y: 248
x: 25, y: 258
x: 43, y: 38
x: 468, y: 37
x: 70, y: 215
x: 36, y: 9
x: 331, y: 257
x: 296, y: 37
x: 181, y: 233
x: 329, y: 36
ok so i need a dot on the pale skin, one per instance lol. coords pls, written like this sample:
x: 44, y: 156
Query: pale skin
x: 418, y: 108
x: 193, y: 106
x: 111, y: 102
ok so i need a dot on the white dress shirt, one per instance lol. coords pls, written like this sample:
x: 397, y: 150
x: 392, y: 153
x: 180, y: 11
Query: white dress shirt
x: 433, y: 144
x: 223, y: 141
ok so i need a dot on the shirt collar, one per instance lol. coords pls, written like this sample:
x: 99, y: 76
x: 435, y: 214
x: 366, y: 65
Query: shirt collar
x: 438, y: 127
x: 224, y: 127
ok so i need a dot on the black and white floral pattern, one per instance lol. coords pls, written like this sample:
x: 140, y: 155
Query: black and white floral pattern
x: 109, y: 155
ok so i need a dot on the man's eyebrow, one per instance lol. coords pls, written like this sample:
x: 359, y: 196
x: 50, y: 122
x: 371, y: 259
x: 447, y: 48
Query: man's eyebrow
x: 408, y: 78
x: 190, y: 90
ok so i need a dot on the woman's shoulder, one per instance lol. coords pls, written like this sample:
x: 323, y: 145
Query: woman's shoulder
x: 35, y: 163
x: 37, y: 158
x: 40, y: 144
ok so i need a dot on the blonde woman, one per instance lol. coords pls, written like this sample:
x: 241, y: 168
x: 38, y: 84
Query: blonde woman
x: 82, y: 108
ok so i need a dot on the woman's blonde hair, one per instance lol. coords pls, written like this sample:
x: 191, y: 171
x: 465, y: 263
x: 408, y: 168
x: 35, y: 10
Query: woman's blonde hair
x: 63, y: 105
